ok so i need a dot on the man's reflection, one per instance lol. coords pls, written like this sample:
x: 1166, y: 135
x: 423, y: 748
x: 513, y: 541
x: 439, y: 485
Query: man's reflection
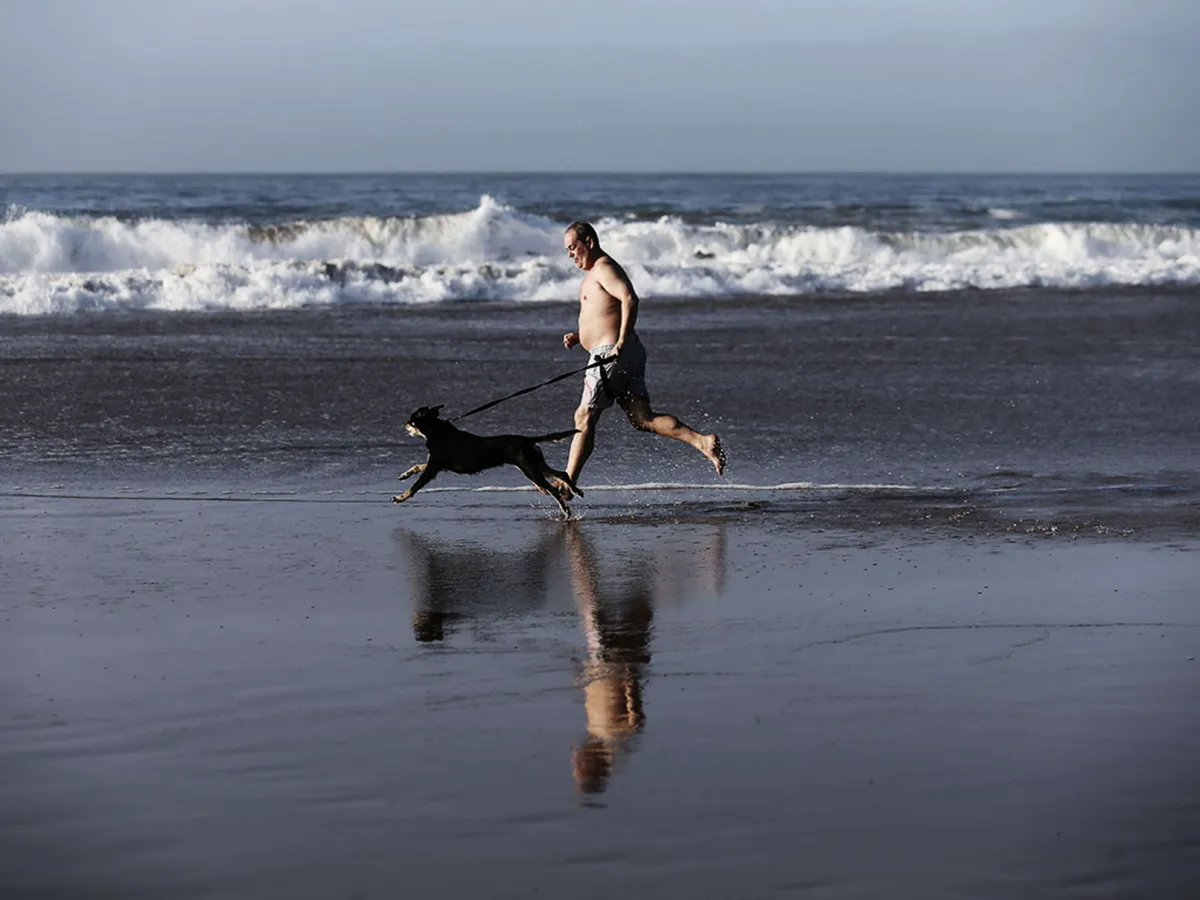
x: 617, y: 625
x: 615, y: 593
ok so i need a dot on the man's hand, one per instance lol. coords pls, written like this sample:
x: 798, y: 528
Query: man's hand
x: 570, y: 339
x: 616, y: 350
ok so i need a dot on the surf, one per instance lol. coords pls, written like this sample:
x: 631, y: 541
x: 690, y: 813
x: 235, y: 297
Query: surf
x: 56, y: 264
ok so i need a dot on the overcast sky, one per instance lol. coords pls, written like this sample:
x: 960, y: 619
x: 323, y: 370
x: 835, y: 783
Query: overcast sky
x: 617, y: 85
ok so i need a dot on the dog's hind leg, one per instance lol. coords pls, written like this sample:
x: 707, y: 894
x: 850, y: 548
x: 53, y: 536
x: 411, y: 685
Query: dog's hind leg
x: 427, y: 475
x: 558, y: 497
x: 567, y: 481
x: 409, y: 473
x: 534, y: 473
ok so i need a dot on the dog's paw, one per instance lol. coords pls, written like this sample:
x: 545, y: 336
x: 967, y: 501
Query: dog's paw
x: 564, y: 490
x: 400, y: 498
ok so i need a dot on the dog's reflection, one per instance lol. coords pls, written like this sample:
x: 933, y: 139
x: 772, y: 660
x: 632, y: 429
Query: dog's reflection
x: 456, y: 582
x: 615, y: 590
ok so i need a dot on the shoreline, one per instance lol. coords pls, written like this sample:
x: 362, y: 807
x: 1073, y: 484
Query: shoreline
x: 434, y: 312
x: 1121, y: 510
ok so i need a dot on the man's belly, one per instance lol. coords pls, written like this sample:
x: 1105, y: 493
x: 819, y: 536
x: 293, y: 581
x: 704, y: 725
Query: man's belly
x: 599, y: 322
x: 597, y: 336
x: 593, y: 346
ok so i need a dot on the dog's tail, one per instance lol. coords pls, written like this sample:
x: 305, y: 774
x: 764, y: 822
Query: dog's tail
x: 554, y: 436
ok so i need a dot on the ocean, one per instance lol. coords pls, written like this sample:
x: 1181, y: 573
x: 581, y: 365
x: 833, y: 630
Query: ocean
x: 932, y: 634
x: 190, y: 243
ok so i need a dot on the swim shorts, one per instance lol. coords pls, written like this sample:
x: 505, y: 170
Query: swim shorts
x: 624, y: 377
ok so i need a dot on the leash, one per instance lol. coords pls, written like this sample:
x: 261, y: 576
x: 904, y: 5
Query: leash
x: 602, y: 361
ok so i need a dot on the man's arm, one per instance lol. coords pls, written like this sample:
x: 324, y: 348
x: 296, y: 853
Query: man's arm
x: 614, y: 280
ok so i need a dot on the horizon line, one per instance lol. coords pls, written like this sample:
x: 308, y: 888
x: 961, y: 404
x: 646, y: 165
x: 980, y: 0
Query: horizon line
x: 816, y: 173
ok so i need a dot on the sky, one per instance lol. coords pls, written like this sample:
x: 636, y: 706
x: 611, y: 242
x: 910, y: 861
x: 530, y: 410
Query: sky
x: 613, y: 86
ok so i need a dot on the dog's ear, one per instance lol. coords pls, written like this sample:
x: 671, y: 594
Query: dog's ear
x: 425, y: 412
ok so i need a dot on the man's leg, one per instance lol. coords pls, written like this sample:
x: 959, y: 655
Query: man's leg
x: 643, y: 418
x: 584, y: 441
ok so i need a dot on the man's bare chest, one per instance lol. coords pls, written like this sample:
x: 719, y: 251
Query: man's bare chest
x: 593, y: 296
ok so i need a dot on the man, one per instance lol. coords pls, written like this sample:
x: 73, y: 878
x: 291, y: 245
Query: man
x: 608, y: 309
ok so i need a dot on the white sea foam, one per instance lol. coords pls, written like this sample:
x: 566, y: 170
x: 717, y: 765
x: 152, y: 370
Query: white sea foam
x: 789, y: 487
x: 55, y: 264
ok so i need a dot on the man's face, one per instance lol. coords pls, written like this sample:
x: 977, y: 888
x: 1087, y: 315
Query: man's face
x: 576, y: 248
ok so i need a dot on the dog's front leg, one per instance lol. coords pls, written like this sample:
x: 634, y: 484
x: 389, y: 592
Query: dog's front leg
x: 414, y: 470
x: 426, y: 476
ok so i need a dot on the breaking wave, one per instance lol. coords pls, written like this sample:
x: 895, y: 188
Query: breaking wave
x: 57, y: 264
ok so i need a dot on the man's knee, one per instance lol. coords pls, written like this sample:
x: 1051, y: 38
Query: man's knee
x: 638, y: 413
x: 641, y: 423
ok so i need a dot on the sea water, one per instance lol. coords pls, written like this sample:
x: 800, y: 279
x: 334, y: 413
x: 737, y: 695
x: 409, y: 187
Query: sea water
x: 257, y: 242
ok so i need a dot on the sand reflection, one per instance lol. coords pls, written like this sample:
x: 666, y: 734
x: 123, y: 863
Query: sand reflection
x: 616, y: 581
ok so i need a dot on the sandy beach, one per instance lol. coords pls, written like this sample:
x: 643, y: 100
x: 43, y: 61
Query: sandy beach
x: 933, y: 636
x: 254, y: 697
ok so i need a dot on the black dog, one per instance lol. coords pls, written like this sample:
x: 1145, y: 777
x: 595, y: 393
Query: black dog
x: 460, y: 451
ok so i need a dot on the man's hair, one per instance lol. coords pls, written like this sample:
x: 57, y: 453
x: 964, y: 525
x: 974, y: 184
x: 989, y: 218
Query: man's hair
x: 582, y: 230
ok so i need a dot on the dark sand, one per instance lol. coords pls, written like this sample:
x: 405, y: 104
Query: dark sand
x: 249, y: 697
x: 934, y: 637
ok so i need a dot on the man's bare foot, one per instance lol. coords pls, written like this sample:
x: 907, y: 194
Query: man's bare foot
x: 715, y: 452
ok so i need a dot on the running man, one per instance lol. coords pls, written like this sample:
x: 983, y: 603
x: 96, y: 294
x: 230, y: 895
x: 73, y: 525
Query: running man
x: 608, y: 308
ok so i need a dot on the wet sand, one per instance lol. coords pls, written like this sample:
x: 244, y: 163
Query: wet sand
x: 313, y: 698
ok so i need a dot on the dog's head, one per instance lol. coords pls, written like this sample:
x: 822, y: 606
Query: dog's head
x: 422, y: 417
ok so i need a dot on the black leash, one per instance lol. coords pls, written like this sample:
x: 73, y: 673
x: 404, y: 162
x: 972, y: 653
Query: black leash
x: 602, y: 361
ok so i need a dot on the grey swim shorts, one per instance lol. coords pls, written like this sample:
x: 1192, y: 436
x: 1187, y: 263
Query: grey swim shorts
x: 625, y: 377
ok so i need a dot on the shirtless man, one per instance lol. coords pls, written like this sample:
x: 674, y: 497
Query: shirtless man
x: 608, y: 309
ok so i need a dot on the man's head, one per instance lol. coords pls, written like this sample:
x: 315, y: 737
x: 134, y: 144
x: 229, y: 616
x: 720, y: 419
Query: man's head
x: 592, y: 763
x: 582, y: 244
